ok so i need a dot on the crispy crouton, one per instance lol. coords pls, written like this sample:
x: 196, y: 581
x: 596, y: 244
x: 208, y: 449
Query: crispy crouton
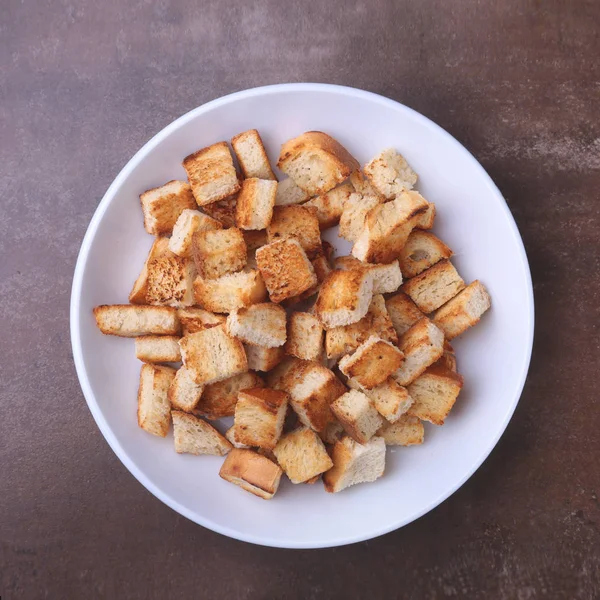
x: 354, y: 215
x: 322, y: 268
x: 357, y: 415
x: 171, y: 281
x: 219, y: 252
x: 316, y: 162
x: 363, y: 186
x: 330, y: 206
x: 230, y: 292
x: 386, y: 278
x: 126, y: 320
x: 184, y: 393
x: 255, y: 204
x: 163, y: 205
x: 296, y: 222
x: 422, y: 250
x: 196, y: 319
x: 390, y: 399
x: 157, y: 348
x: 463, y: 311
x: 160, y: 248
x: 231, y: 435
x: 289, y: 193
x: 212, y: 355
x: 259, y: 325
x: 390, y: 174
x: 276, y: 378
x: 403, y: 312
x: 302, y: 455
x: 255, y: 239
x: 252, y: 472
x: 223, y: 211
x: 434, y: 286
x: 251, y: 155
x: 427, y: 218
x: 154, y: 411
x: 211, y: 173
x: 195, y: 436
x: 406, y: 431
x: 187, y: 224
x: 304, y: 336
x: 355, y: 463
x: 263, y: 359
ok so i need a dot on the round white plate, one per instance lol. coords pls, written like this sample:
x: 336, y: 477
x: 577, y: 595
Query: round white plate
x: 493, y: 357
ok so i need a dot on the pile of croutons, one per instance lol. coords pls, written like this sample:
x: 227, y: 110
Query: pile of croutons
x: 321, y: 362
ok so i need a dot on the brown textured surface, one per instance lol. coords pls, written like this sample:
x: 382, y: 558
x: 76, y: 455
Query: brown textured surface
x: 87, y: 83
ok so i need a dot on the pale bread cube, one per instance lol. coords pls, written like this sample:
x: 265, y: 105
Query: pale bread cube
x: 329, y: 206
x: 259, y: 325
x: 403, y: 312
x: 289, y: 193
x: 163, y: 205
x: 386, y: 278
x: 184, y: 393
x: 230, y: 292
x: 195, y: 436
x: 255, y: 202
x: 252, y: 156
x: 127, y: 320
x: 406, y: 431
x: 390, y: 174
x: 304, y: 336
x: 389, y: 398
x: 219, y: 252
x: 296, y: 222
x: 422, y: 250
x: 354, y: 215
x: 187, y: 224
x: 154, y: 410
x: 427, y: 218
x: 231, y: 435
x: 157, y: 348
x: 357, y: 415
x: 263, y: 359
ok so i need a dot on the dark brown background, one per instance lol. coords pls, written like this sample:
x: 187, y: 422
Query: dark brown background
x: 85, y: 84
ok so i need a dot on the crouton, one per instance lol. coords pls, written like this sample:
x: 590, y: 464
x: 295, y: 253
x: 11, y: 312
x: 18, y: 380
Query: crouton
x: 344, y: 298
x: 154, y: 410
x: 251, y: 155
x: 302, y: 455
x: 387, y: 228
x: 304, y: 336
x: 212, y: 355
x: 390, y: 174
x: 427, y: 218
x: 255, y: 204
x: 157, y: 348
x: 219, y: 399
x: 363, y: 186
x: 252, y: 472
x: 259, y: 325
x: 160, y: 248
x: 259, y: 417
x: 196, y: 319
x: 316, y: 162
x: 184, y: 393
x: 231, y: 435
x: 355, y: 463
x: 276, y: 378
x: 357, y: 415
x: 322, y: 268
x: 354, y: 215
x: 289, y: 193
x: 389, y: 398
x: 126, y: 320
x: 187, y: 224
x: 219, y: 252
x: 263, y: 359
x: 286, y: 269
x: 296, y: 222
x: 223, y: 211
x: 434, y: 286
x: 211, y: 174
x: 195, y: 436
x: 332, y: 433
x: 434, y: 394
x: 422, y: 250
x: 329, y: 206
x: 422, y: 345
x: 386, y: 278
x: 463, y: 311
x: 230, y: 292
x: 403, y: 312
x: 163, y: 205
x: 171, y: 281
x: 406, y: 431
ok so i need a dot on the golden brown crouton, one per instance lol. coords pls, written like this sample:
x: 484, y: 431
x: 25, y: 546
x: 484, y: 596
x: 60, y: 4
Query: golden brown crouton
x: 127, y: 320
x: 195, y: 436
x: 160, y: 248
x: 252, y: 472
x: 354, y: 215
x: 389, y: 398
x: 219, y: 252
x: 230, y: 292
x: 163, y: 205
x: 427, y: 218
x: 157, y: 348
x: 171, y: 281
x: 251, y: 155
x: 296, y: 222
x: 403, y: 312
x: 357, y: 415
x: 255, y: 204
x: 187, y: 224
x: 223, y: 211
x: 259, y: 325
x: 277, y: 376
x: 154, y: 411
x: 329, y: 206
x: 184, y: 393
x: 196, y: 319
x: 390, y: 174
x: 422, y: 250
x: 386, y: 278
x: 263, y: 359
x: 304, y: 336
x: 406, y: 431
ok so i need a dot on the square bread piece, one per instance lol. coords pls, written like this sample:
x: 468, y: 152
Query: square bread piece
x: 357, y: 415
x: 390, y: 174
x: 304, y: 336
x: 187, y: 224
x: 252, y: 156
x: 276, y: 378
x: 406, y: 431
x: 434, y: 393
x: 223, y: 211
x: 127, y: 320
x: 389, y: 398
x: 154, y: 410
x: 211, y: 173
x: 252, y: 472
x: 403, y: 312
x: 427, y: 218
x: 422, y: 345
x: 196, y: 319
x: 285, y: 268
x: 230, y: 292
x: 386, y: 278
x: 259, y: 417
x: 157, y: 348
x: 434, y: 286
x: 363, y: 186
x: 422, y: 250
x: 219, y: 252
x: 163, y: 205
x: 354, y: 215
x: 344, y: 298
x: 259, y: 325
x: 231, y: 435
x: 171, y: 281
x: 289, y: 193
x: 255, y: 203
x: 355, y: 463
x: 212, y: 355
x: 184, y: 393
x: 302, y: 455
x: 263, y: 359
x: 316, y: 162
x: 195, y: 436
x: 463, y: 311
x: 296, y: 222
x: 160, y: 248
x: 329, y: 206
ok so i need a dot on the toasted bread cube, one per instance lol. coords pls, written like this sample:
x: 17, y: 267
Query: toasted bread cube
x: 354, y: 215
x: 302, y: 455
x: 422, y: 345
x: 390, y: 174
x: 316, y: 162
x: 434, y: 286
x: 296, y: 222
x: 255, y: 239
x: 427, y: 218
x: 363, y: 186
x: 422, y: 250
x: 157, y: 348
x: 330, y: 206
x: 276, y: 379
x: 223, y: 211
x: 231, y: 435
x: 184, y: 393
x: 386, y: 278
x: 263, y: 359
x: 434, y: 393
x: 230, y: 292
x: 344, y: 298
x: 304, y: 336
x: 154, y: 410
x: 211, y: 174
x: 195, y: 436
x: 212, y: 355
x: 289, y: 193
x: 252, y: 472
x: 163, y: 205
x: 219, y: 252
x: 403, y: 312
x: 332, y: 433
x: 160, y: 248
x: 126, y: 320
x: 286, y: 269
x: 357, y: 415
x: 171, y: 281
x: 251, y: 155
x: 255, y: 203
x: 196, y: 319
x: 389, y: 398
x: 259, y: 325
x: 406, y: 431
x: 355, y: 463
x: 187, y: 224
x: 322, y: 268
x: 387, y: 228
x: 463, y: 311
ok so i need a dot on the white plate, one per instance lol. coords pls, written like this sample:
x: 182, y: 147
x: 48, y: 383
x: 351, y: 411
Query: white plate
x: 493, y: 357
